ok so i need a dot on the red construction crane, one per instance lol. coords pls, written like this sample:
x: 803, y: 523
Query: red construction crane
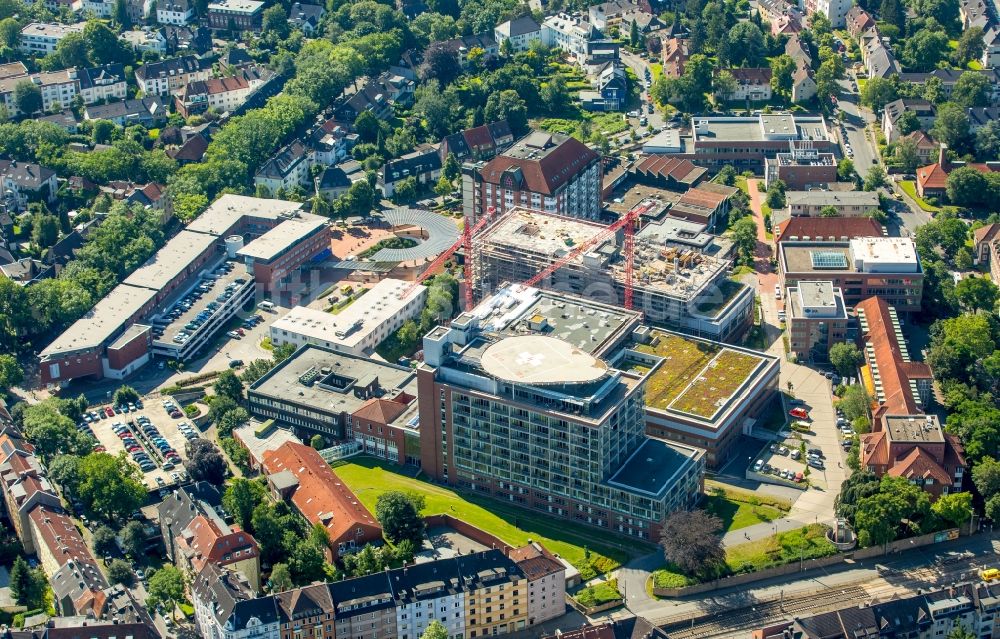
x: 465, y: 241
x: 626, y: 222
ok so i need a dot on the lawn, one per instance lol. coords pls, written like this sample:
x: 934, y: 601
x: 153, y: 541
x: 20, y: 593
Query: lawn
x: 739, y: 508
x: 724, y: 376
x: 586, y: 125
x: 910, y: 188
x: 671, y: 577
x: 592, y: 551
x: 809, y: 542
x: 598, y: 594
x: 686, y: 359
x: 655, y: 70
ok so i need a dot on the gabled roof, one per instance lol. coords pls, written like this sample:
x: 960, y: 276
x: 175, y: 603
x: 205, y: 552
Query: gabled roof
x: 919, y: 464
x: 922, y: 139
x: 519, y: 26
x: 320, y: 495
x: 932, y: 176
x: 895, y: 370
x: 985, y: 233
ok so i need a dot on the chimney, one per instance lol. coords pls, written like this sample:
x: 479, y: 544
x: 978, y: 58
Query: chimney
x: 943, y: 156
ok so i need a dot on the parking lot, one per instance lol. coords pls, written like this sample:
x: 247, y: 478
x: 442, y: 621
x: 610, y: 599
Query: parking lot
x: 153, y: 439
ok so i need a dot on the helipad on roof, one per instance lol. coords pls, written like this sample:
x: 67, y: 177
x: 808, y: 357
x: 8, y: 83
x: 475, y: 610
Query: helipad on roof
x: 539, y: 359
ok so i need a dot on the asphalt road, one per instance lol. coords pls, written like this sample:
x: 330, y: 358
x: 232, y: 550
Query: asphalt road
x: 855, y: 118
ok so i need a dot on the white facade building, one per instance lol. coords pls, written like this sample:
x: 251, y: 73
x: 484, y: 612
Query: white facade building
x: 41, y: 38
x: 447, y: 605
x: 567, y: 32
x: 521, y: 32
x: 834, y: 10
x: 176, y: 12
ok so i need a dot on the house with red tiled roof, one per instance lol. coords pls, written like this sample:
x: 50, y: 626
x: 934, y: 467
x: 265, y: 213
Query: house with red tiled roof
x: 77, y: 583
x: 478, y: 143
x: 386, y: 427
x: 826, y: 228
x: 932, y: 179
x: 666, y: 172
x: 898, y: 385
x: 752, y: 83
x: 675, y: 56
x: 916, y: 448
x: 858, y: 21
x: 210, y: 540
x: 297, y: 473
x: 926, y: 146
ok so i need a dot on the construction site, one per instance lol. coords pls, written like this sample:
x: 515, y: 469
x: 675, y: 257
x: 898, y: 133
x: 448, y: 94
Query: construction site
x: 673, y: 284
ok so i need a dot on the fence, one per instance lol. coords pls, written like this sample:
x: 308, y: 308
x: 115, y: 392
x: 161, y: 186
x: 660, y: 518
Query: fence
x: 810, y: 564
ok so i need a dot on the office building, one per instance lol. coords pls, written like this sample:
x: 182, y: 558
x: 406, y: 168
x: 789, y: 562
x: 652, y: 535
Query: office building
x: 518, y: 401
x: 235, y: 15
x: 824, y: 229
x: 887, y: 267
x: 745, y: 142
x: 916, y: 448
x: 542, y: 171
x: 360, y: 327
x: 801, y: 168
x: 817, y: 319
x: 846, y: 203
x: 275, y: 257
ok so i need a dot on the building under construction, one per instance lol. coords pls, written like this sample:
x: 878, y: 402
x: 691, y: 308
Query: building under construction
x: 674, y: 284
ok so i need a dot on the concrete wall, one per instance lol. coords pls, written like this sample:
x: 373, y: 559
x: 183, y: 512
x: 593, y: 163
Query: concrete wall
x: 470, y: 531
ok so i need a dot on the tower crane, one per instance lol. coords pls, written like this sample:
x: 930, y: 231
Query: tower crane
x: 628, y: 223
x: 465, y: 241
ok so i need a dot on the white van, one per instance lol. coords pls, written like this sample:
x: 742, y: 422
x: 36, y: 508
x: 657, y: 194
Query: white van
x: 266, y: 306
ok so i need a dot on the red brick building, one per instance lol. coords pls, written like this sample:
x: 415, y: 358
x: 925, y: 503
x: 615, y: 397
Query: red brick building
x: 277, y: 254
x: 380, y: 427
x: 916, y: 448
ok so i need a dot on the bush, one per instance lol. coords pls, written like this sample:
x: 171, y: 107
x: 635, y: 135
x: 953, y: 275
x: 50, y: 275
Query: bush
x: 192, y: 411
x: 599, y: 594
x: 670, y: 577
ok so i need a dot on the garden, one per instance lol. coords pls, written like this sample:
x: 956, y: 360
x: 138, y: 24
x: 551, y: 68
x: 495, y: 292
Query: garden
x: 707, y: 394
x: 740, y: 508
x: 685, y: 360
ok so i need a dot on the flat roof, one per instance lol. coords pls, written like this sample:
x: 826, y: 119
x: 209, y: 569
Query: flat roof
x: 817, y: 294
x: 913, y: 428
x: 130, y: 333
x: 171, y: 260
x: 102, y: 321
x: 219, y: 218
x: 540, y: 360
x: 654, y: 467
x: 380, y: 304
x: 284, y: 383
x: 218, y: 286
x: 541, y: 233
x: 271, y: 244
x: 831, y: 198
x: 797, y: 257
x: 698, y: 377
x: 884, y: 250
x: 257, y: 446
x: 816, y: 300
x: 767, y: 126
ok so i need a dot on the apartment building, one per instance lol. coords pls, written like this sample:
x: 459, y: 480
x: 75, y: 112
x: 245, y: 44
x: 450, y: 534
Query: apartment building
x: 846, y: 203
x: 542, y: 171
x: 169, y: 76
x: 102, y: 84
x: 287, y: 169
x: 833, y: 10
x: 478, y: 143
x: 518, y: 401
x: 40, y: 38
x: 57, y: 88
x: 817, y: 319
x: 893, y: 111
x: 887, y: 267
x: 27, y: 181
x: 521, y: 32
x: 24, y: 485
x: 175, y: 12
x: 546, y: 577
x: 235, y: 15
x: 916, y: 448
x: 423, y: 165
x: 220, y: 95
x: 480, y: 594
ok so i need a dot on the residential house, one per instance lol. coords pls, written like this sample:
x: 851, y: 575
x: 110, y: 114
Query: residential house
x: 424, y: 166
x: 850, y: 204
x: 40, y: 38
x: 146, y: 39
x: 858, y: 21
x: 983, y: 237
x: 24, y: 483
x: 175, y: 12
x: 191, y: 151
x: 520, y: 32
x: 97, y: 8
x: 572, y: 34
x: 288, y: 168
x: 225, y: 606
x: 798, y: 51
x: 752, y: 84
x: 478, y: 143
x: 878, y: 58
x: 187, y: 39
x: 235, y: 15
x: 546, y: 577
x: 949, y: 77
x: 104, y: 83
x: 786, y: 25
x: 834, y: 10
x: 378, y: 97
x: 927, y: 148
x: 616, y: 13
x: 675, y: 56
x: 220, y: 95
x: 149, y: 112
x: 612, y: 90
x: 57, y: 88
x: 974, y: 13
x: 932, y: 179
x: 894, y: 110
x: 65, y: 119
x: 26, y: 181
x: 631, y: 628
x: 803, y: 85
x: 707, y: 203
x: 979, y: 116
x: 168, y: 76
x: 916, y: 448
x: 139, y: 10
x: 27, y: 271
x: 208, y: 539
x: 150, y: 196
x: 991, y: 47
x: 306, y: 17
x: 331, y: 142
x: 464, y: 45
x: 296, y: 472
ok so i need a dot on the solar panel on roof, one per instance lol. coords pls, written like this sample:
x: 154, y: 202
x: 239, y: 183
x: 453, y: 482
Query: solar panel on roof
x: 828, y: 259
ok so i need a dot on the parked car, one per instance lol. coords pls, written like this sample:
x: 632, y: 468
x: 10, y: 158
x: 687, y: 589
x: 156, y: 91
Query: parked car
x: 799, y: 413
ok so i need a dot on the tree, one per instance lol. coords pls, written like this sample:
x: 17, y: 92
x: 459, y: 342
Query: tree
x: 691, y: 541
x: 436, y: 629
x: 745, y: 240
x: 555, y: 95
x: 10, y: 373
x: 306, y: 562
x: 228, y: 385
x: 878, y: 92
x: 45, y: 230
x: 908, y: 123
x: 275, y: 20
x: 986, y: 477
x: 241, y: 498
x: 907, y: 154
x: 281, y: 578
x: 829, y: 211
x: 954, y: 508
x: 10, y: 33
x: 845, y: 170
x: 110, y: 486
x: 845, y: 357
x: 782, y: 69
x: 508, y: 105
x: 775, y: 198
x: 875, y: 178
x: 970, y: 47
x: 745, y: 45
x: 925, y: 49
x: 103, y: 45
x: 205, y: 462
x: 133, y: 540
x: 231, y: 419
x: 854, y: 402
x: 988, y: 140
x: 399, y: 514
x: 977, y: 294
x: 120, y: 14
x: 443, y: 187
x: 966, y: 187
x: 317, y: 442
x: 972, y: 89
x: 367, y: 126
x: 26, y: 585
x: 125, y: 395
x: 951, y: 126
x: 120, y: 572
x: 892, y: 11
x: 441, y: 64
x: 405, y: 190
x: 959, y: 631
x: 104, y: 540
x: 724, y: 85
x: 451, y: 170
x: 27, y: 97
x: 166, y: 587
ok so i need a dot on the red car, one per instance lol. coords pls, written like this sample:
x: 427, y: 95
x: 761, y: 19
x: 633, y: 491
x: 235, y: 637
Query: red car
x: 799, y: 413
x: 110, y: 412
x: 134, y: 449
x: 99, y: 449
